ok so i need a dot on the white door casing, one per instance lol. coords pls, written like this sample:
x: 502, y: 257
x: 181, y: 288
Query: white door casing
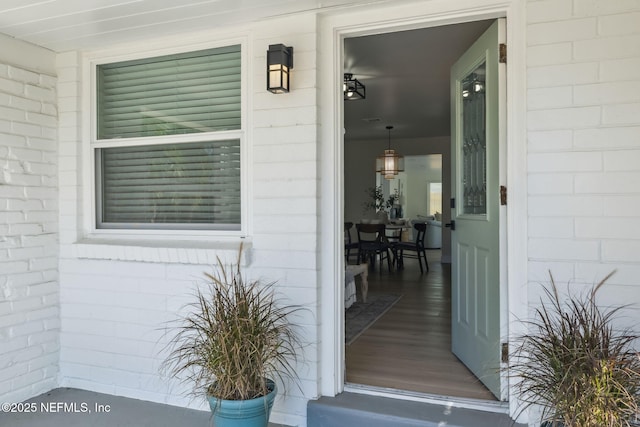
x: 475, y: 294
x: 333, y: 29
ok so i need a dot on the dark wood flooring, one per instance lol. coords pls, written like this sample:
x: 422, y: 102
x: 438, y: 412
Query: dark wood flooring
x: 409, y: 348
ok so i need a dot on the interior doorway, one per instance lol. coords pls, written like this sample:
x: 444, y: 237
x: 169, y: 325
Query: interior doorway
x: 392, y: 352
x: 417, y: 191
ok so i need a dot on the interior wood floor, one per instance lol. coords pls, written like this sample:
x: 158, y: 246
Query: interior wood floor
x: 409, y: 348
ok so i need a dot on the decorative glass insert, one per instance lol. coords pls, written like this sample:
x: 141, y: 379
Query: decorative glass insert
x: 474, y: 146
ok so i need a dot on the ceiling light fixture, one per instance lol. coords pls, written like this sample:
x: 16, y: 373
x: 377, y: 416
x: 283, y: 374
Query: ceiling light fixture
x: 390, y: 163
x: 352, y: 88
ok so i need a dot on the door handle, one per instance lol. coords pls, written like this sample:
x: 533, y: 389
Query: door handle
x: 451, y: 225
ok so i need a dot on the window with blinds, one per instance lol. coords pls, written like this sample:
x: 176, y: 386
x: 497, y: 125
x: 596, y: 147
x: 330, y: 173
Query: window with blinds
x: 190, y: 180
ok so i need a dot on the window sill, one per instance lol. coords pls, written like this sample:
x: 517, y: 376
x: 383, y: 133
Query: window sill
x: 162, y: 251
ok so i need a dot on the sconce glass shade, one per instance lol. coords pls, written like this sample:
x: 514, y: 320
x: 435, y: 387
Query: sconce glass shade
x: 390, y: 163
x: 352, y: 88
x: 279, y: 65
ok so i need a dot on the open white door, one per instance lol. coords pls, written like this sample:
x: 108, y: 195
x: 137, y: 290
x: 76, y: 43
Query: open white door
x: 475, y: 294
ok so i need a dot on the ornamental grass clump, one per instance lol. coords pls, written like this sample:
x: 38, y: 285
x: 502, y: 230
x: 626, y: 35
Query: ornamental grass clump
x: 575, y: 363
x: 235, y: 338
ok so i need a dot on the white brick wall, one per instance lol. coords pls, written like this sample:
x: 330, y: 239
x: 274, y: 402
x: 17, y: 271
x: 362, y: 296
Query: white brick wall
x: 116, y: 298
x: 583, y: 112
x: 584, y: 141
x: 29, y: 290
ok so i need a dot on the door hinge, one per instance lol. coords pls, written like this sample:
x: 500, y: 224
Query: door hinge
x: 505, y: 352
x: 502, y: 57
x: 503, y: 195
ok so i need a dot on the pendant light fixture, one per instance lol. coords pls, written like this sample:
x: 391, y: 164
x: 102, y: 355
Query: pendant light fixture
x: 390, y: 163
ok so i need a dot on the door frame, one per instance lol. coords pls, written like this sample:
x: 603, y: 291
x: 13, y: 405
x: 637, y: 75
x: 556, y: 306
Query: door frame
x: 334, y: 28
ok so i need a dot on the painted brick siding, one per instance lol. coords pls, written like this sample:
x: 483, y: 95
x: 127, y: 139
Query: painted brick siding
x: 584, y: 143
x: 116, y: 299
x: 29, y: 290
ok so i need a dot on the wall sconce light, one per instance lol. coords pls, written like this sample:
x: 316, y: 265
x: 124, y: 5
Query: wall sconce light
x: 352, y: 88
x: 279, y: 65
x: 390, y: 163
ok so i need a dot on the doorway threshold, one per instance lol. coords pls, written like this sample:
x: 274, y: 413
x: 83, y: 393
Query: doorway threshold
x: 353, y: 408
x: 432, y: 399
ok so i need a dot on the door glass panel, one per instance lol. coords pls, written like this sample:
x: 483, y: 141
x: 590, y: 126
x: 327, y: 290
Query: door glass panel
x: 474, y: 147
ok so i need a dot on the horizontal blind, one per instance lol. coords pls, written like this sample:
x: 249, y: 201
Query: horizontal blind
x: 168, y: 95
x: 185, y: 183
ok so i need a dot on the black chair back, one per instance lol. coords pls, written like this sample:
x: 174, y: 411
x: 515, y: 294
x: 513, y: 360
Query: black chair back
x: 370, y: 233
x: 421, y: 229
x: 347, y: 232
x: 415, y: 249
x: 372, y: 243
x: 349, y: 245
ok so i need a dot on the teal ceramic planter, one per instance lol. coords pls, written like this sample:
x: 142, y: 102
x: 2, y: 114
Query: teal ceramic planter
x: 243, y: 413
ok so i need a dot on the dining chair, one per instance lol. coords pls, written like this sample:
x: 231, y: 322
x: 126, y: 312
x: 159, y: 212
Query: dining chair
x: 372, y: 243
x: 349, y: 245
x: 415, y: 249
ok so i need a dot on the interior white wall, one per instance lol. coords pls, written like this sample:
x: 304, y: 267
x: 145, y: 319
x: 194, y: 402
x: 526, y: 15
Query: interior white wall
x: 116, y: 296
x: 419, y: 174
x: 29, y: 290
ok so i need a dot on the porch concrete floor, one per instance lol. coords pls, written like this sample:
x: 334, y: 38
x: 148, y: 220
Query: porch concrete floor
x: 123, y: 412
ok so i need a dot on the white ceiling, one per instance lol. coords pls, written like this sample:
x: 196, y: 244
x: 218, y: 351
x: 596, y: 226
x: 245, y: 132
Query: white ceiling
x: 62, y: 25
x: 405, y: 73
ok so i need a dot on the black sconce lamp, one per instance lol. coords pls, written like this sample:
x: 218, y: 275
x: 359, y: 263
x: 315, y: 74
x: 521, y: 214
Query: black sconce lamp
x: 279, y: 64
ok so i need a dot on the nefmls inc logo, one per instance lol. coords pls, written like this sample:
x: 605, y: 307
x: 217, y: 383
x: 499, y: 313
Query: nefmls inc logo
x: 66, y: 407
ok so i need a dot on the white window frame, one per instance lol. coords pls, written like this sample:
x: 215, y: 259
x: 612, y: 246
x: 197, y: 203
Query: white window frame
x: 90, y: 63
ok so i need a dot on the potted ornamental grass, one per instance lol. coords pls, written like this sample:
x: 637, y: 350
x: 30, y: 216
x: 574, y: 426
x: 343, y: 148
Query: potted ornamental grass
x: 234, y: 343
x: 576, y: 364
